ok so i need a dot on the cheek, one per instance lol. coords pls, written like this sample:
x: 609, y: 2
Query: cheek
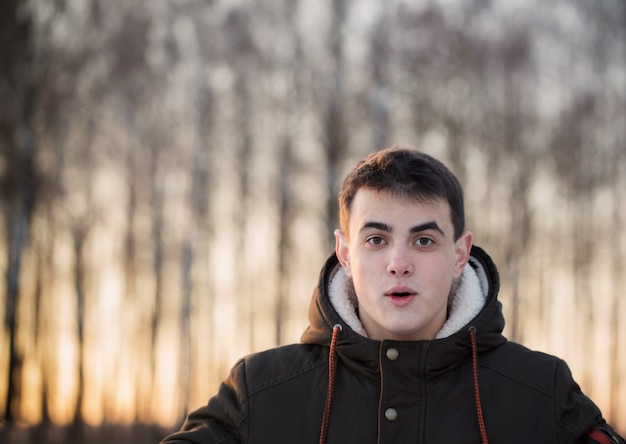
x: 359, y: 271
x: 441, y: 272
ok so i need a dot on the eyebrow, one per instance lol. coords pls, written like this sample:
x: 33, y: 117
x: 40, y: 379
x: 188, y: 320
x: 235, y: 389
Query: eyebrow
x: 416, y: 229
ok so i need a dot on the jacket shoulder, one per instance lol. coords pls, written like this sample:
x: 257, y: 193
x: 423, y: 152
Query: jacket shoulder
x: 279, y: 365
x: 551, y: 380
x: 536, y: 370
x: 226, y: 418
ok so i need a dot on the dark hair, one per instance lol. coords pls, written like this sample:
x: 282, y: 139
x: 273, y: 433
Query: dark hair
x: 407, y: 174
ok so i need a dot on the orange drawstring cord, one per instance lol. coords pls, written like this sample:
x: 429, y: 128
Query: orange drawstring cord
x: 479, y: 408
x: 331, y: 382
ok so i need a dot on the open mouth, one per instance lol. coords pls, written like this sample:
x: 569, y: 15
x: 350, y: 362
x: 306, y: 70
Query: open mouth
x: 401, y: 294
x: 400, y: 291
x: 400, y: 299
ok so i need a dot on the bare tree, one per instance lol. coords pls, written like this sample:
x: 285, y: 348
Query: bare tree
x: 285, y: 217
x: 578, y: 175
x: 381, y: 52
x: 18, y: 149
x: 520, y: 157
x: 335, y: 132
x: 241, y: 55
x: 618, y: 271
x: 205, y: 173
x: 129, y: 72
x: 197, y: 238
x: 290, y: 67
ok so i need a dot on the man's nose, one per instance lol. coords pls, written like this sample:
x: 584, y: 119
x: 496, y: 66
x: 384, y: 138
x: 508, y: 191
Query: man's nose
x: 400, y: 263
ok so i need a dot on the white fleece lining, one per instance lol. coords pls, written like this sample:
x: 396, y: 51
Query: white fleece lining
x: 466, y: 303
x: 341, y: 301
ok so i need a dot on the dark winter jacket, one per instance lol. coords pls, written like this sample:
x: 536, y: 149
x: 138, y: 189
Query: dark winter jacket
x: 469, y: 386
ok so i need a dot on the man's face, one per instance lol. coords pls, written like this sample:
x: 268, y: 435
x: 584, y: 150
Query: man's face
x: 402, y: 258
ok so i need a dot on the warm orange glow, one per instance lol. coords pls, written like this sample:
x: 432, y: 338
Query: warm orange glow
x: 31, y: 386
x: 63, y: 400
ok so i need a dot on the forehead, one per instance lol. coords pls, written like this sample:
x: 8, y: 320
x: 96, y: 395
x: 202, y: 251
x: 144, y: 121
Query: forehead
x: 371, y: 205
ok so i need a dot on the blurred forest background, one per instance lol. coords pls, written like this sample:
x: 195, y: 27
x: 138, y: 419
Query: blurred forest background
x: 169, y: 168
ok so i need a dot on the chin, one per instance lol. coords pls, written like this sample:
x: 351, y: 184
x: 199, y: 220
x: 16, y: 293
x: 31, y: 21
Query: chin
x: 406, y: 335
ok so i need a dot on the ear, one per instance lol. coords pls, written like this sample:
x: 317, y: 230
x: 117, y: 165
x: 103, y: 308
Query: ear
x: 342, y: 250
x: 463, y: 248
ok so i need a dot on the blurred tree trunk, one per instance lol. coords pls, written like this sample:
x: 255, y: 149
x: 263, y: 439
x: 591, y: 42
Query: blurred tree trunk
x: 129, y: 83
x: 18, y: 222
x: 518, y: 163
x: 380, y: 59
x: 196, y: 239
x: 79, y: 237
x: 186, y: 339
x: 244, y: 113
x: 18, y: 147
x: 130, y: 260
x: 608, y: 21
x: 41, y: 326
x: 206, y: 177
x: 285, y: 217
x: 618, y: 409
x: 45, y: 333
x: 618, y: 272
x: 291, y: 69
x: 576, y: 170
x: 335, y: 132
x: 242, y: 54
x: 158, y: 252
x: 81, y: 222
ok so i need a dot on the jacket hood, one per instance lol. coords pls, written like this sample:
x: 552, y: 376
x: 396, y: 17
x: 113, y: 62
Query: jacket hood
x: 474, y: 305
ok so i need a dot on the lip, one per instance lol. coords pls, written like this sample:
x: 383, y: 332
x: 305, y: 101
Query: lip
x: 400, y: 295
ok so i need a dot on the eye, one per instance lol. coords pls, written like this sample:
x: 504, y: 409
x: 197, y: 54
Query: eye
x: 376, y: 240
x: 424, y: 242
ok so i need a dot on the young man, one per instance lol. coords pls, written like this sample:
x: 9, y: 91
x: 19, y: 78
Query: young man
x: 405, y: 340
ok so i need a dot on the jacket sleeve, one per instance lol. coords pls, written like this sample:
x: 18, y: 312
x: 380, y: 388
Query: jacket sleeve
x: 603, y: 434
x: 579, y: 420
x: 223, y: 419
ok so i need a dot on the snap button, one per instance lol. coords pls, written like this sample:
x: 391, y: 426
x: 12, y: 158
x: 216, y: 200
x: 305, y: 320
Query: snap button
x: 392, y: 354
x: 391, y: 414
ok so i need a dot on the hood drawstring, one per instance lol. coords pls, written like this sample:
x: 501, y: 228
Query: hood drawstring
x: 332, y: 358
x: 479, y: 408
